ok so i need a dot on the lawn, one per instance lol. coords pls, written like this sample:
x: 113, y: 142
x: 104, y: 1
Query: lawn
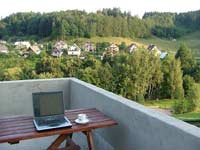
x: 163, y: 104
x: 191, y: 117
x: 188, y: 116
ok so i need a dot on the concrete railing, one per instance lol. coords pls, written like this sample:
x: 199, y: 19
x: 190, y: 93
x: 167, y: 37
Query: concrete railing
x: 16, y: 99
x: 139, y: 128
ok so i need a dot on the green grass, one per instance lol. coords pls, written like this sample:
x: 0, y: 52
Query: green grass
x: 163, y: 44
x: 188, y: 116
x: 192, y: 40
x: 163, y: 104
x: 115, y: 40
x: 191, y: 117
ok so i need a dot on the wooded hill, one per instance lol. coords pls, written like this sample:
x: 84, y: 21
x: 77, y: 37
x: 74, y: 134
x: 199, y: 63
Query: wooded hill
x: 108, y: 22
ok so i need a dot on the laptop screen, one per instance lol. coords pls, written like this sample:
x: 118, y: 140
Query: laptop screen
x: 48, y: 104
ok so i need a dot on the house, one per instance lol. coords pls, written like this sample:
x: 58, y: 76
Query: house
x: 22, y: 44
x: 57, y: 53
x: 74, y: 50
x: 132, y: 48
x: 163, y: 55
x: 89, y: 47
x: 25, y: 53
x: 34, y: 49
x: 3, y: 42
x: 111, y: 50
x: 153, y: 48
x: 60, y: 45
x: 3, y: 49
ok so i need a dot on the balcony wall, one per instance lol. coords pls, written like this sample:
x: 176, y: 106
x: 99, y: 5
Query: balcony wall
x: 16, y: 99
x: 139, y: 128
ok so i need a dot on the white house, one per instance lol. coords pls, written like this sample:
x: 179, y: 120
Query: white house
x: 3, y: 42
x: 74, y: 50
x: 89, y: 47
x: 61, y: 45
x: 3, y: 49
x: 22, y: 44
x: 133, y: 47
x: 153, y: 48
x: 111, y: 50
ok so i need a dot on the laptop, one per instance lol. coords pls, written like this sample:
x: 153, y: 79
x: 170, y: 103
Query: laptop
x: 48, y: 108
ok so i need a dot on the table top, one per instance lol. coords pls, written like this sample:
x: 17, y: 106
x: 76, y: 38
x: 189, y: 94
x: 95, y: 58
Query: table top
x: 16, y: 128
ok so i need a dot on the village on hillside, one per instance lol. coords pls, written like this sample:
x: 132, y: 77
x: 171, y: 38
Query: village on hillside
x: 60, y: 48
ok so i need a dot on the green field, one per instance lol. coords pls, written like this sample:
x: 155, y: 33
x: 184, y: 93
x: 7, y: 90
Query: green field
x: 192, y: 40
x: 115, y: 40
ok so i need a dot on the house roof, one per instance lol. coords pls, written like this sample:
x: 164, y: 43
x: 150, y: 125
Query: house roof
x: 35, y: 49
x: 152, y: 46
x: 60, y: 45
x: 113, y: 46
x: 163, y: 55
x: 3, y: 47
x: 132, y: 47
x: 74, y: 48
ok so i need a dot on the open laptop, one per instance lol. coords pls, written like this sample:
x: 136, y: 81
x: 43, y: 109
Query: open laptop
x: 48, y: 108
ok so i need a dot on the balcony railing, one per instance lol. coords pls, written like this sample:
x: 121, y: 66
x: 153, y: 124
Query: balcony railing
x: 139, y: 128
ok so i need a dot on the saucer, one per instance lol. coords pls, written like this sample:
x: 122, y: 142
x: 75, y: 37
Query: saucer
x: 82, y: 121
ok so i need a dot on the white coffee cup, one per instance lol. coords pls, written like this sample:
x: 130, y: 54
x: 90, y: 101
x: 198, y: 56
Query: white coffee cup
x: 82, y: 117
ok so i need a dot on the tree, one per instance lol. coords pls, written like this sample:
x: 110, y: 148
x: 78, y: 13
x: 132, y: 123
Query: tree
x: 196, y: 73
x: 136, y: 74
x: 12, y: 73
x: 122, y: 46
x: 49, y: 65
x: 187, y: 59
x: 191, y: 92
x: 176, y: 81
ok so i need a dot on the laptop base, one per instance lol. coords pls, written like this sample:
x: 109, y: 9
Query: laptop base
x: 43, y: 127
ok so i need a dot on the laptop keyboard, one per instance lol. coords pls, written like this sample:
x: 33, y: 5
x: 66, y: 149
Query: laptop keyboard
x: 53, y: 122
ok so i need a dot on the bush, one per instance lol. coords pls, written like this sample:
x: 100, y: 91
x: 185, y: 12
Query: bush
x: 192, y: 92
x: 183, y: 106
x: 180, y: 106
x: 140, y: 98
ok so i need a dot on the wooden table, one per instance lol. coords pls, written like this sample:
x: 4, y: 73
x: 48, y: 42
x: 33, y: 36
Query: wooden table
x: 17, y: 128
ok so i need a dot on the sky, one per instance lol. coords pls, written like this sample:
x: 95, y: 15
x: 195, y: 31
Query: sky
x: 136, y: 7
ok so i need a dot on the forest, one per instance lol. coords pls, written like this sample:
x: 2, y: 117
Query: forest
x: 107, y: 22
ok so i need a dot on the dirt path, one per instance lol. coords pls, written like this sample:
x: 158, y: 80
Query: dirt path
x: 165, y: 111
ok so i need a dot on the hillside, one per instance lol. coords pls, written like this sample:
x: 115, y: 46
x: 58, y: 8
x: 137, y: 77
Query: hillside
x: 104, y: 23
x: 115, y: 40
x: 192, y: 40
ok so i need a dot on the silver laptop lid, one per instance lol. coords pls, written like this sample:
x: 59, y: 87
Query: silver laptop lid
x: 48, y: 104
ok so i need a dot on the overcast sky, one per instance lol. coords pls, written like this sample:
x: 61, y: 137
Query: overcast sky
x: 137, y: 7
